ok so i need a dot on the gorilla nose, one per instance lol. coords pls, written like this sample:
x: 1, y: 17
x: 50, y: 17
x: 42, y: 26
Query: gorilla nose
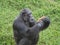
x: 31, y: 20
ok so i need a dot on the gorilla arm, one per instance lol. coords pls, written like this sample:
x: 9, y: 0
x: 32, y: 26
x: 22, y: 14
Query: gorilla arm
x: 42, y: 24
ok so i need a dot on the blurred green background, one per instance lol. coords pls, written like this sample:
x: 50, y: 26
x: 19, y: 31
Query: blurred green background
x: 9, y: 9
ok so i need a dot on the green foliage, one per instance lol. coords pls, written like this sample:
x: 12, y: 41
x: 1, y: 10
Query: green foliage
x: 10, y: 8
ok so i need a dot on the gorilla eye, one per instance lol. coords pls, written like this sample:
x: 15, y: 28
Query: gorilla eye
x: 24, y: 14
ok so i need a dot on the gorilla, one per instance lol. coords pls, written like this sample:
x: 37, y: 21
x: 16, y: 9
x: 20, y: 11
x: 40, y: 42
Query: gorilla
x: 26, y: 29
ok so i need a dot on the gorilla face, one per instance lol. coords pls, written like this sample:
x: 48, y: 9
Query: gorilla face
x: 27, y: 17
x: 26, y: 14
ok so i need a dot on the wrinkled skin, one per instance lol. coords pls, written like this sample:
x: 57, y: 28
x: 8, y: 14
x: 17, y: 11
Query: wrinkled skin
x: 26, y: 29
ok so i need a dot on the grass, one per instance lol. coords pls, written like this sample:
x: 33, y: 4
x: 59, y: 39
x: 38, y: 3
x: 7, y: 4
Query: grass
x: 9, y: 9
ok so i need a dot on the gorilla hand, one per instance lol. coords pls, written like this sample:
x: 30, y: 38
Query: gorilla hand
x: 44, y: 22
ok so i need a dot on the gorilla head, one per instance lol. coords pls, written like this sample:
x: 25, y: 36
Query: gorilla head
x: 26, y: 16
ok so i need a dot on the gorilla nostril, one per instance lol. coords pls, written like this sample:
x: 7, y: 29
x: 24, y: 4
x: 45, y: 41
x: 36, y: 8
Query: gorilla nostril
x: 32, y: 20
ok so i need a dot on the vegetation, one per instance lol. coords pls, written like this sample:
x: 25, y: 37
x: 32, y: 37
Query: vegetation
x: 10, y: 8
